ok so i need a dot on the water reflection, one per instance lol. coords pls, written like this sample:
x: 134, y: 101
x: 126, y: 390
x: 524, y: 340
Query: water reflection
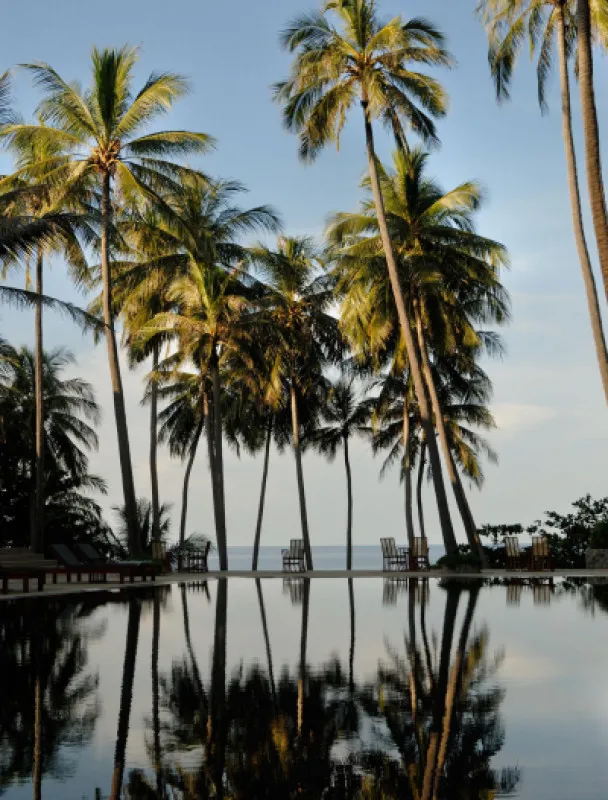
x: 424, y: 722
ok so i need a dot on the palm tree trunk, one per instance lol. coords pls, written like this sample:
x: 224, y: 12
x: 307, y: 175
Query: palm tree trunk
x: 37, y: 543
x: 209, y: 430
x: 222, y: 544
x: 447, y: 529
x: 154, y: 448
x: 595, y: 183
x: 459, y: 494
x: 124, y: 451
x: 295, y: 431
x: 407, y: 473
x: 454, y: 686
x: 419, y: 488
x: 126, y: 697
x: 37, y: 771
x: 258, y: 527
x: 440, y: 692
x: 189, y: 465
x: 303, y: 643
x: 217, y: 723
x: 575, y: 204
x: 349, y: 513
x: 258, y: 586
x: 155, y: 694
x: 351, y: 652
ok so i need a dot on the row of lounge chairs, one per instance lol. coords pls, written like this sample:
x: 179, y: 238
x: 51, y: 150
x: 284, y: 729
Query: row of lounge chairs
x: 72, y: 562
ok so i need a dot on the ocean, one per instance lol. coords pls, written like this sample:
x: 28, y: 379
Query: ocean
x: 328, y: 557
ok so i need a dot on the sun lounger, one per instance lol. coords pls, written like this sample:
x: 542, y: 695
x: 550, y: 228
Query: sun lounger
x: 72, y: 566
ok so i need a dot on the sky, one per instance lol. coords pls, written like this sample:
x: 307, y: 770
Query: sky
x: 552, y: 433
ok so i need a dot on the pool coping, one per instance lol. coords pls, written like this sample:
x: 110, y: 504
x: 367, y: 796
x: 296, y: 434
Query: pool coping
x: 55, y: 590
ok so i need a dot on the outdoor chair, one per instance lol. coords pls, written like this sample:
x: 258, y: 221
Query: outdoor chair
x: 419, y: 556
x: 393, y: 557
x: 194, y: 559
x: 539, y: 554
x: 293, y: 559
x: 513, y: 553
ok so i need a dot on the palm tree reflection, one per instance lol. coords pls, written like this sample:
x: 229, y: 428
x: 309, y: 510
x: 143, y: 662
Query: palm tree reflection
x: 425, y: 727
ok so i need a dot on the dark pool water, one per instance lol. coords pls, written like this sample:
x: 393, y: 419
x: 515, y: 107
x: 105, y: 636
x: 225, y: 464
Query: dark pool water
x: 319, y: 689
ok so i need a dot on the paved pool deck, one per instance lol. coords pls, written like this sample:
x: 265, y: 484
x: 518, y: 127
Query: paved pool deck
x: 59, y: 589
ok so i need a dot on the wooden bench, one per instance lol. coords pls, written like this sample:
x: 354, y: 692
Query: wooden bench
x: 393, y: 557
x: 293, y: 559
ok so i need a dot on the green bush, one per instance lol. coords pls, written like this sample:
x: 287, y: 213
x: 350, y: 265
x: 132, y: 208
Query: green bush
x: 462, y: 561
x: 599, y: 536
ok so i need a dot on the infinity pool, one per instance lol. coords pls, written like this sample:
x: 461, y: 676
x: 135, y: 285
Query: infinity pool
x: 310, y: 689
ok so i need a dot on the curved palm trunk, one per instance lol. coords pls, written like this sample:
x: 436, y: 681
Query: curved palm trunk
x: 124, y: 451
x: 186, y: 487
x: 440, y: 693
x: 575, y: 204
x: 258, y: 586
x: 258, y: 527
x: 295, y: 431
x: 447, y: 529
x: 37, y: 540
x: 349, y: 513
x: 595, y: 182
x: 155, y: 694
x: 209, y: 431
x: 421, y: 467
x: 217, y: 723
x: 459, y: 493
x: 303, y: 643
x: 154, y: 448
x: 222, y: 544
x: 407, y: 474
x: 454, y: 686
x: 126, y: 697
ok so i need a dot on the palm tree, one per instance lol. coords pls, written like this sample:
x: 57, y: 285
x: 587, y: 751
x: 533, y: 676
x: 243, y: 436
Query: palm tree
x: 451, y: 274
x: 367, y: 62
x: 69, y: 406
x: 145, y: 523
x: 181, y: 424
x: 97, y: 133
x: 595, y: 181
x: 303, y: 336
x: 200, y: 231
x: 507, y: 22
x: 343, y: 417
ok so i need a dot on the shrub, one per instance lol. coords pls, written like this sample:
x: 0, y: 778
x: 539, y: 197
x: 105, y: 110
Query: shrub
x: 599, y: 536
x: 462, y: 561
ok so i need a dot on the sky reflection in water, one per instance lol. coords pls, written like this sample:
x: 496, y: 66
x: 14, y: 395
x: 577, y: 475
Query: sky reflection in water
x: 321, y: 689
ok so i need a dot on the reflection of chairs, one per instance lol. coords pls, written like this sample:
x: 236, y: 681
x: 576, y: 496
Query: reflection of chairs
x: 392, y: 588
x: 393, y: 557
x: 197, y: 586
x: 514, y: 593
x: 295, y: 588
x: 513, y: 553
x: 423, y: 591
x: 539, y: 555
x: 542, y: 591
x: 293, y: 559
x: 419, y: 557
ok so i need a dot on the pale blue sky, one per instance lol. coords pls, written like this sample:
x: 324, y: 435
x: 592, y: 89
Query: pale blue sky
x: 548, y: 400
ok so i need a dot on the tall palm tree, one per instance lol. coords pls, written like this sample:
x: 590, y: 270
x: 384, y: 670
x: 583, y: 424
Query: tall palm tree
x: 303, y: 336
x: 361, y: 60
x: 544, y: 22
x: 98, y: 134
x: 201, y: 230
x: 342, y: 417
x: 451, y: 274
x: 595, y: 181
